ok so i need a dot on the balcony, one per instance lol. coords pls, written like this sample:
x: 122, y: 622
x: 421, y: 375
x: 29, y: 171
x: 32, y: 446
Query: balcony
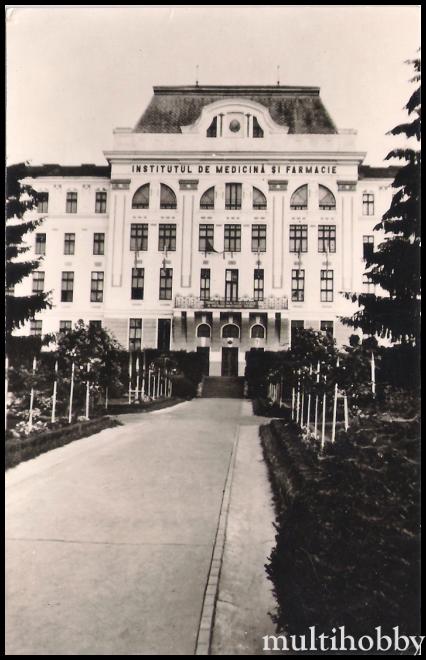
x: 192, y: 302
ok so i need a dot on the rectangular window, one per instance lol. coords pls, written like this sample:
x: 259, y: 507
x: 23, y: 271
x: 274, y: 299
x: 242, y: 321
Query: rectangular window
x: 167, y: 238
x: 368, y: 283
x: 95, y: 325
x: 297, y: 325
x: 101, y: 202
x: 138, y: 276
x: 38, y: 281
x: 69, y: 244
x: 135, y: 334
x: 36, y: 327
x: 98, y: 243
x: 65, y: 326
x: 258, y: 238
x: 258, y: 283
x: 40, y: 243
x: 42, y: 202
x: 327, y: 286
x: 231, y: 284
x: 367, y: 247
x: 166, y: 282
x: 298, y: 238
x: 71, y: 206
x: 327, y: 327
x: 232, y: 242
x: 206, y: 238
x: 367, y: 204
x: 67, y: 286
x: 205, y: 284
x: 297, y: 285
x: 97, y: 286
x: 233, y: 195
x: 138, y: 237
x: 10, y: 290
x: 326, y: 238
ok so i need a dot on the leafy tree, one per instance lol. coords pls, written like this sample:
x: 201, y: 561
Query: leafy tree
x: 395, y: 265
x: 20, y: 198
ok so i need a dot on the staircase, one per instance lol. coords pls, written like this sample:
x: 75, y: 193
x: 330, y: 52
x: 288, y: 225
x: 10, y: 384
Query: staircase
x: 225, y: 387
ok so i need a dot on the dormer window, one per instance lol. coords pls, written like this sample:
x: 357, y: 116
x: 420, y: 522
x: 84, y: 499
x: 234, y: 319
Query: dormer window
x: 212, y: 129
x: 257, y: 129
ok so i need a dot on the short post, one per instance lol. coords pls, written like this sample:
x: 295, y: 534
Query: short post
x: 6, y: 387
x: 30, y: 421
x: 373, y: 374
x: 71, y: 394
x: 137, y: 379
x: 130, y: 378
x: 149, y: 382
x: 88, y: 392
x: 323, y: 416
x: 55, y: 387
x: 154, y: 385
x: 158, y: 383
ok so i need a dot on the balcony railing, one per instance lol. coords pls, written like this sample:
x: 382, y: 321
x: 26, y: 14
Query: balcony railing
x: 193, y: 302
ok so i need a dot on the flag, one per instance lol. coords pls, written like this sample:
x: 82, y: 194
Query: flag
x: 209, y: 247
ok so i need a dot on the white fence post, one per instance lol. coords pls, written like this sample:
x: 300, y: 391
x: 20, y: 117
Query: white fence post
x: 137, y: 380
x: 323, y: 416
x: 6, y: 388
x: 71, y: 394
x: 333, y: 430
x: 130, y: 377
x: 30, y: 421
x: 88, y: 392
x: 55, y: 387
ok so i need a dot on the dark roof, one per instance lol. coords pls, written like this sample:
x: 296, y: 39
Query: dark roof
x: 86, y: 169
x: 368, y: 172
x: 299, y: 108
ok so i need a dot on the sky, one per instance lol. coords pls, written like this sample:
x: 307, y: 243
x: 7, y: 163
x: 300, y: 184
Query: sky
x: 75, y: 72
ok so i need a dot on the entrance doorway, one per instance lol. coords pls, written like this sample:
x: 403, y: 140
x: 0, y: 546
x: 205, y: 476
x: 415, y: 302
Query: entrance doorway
x: 163, y: 336
x: 204, y: 355
x: 229, y: 362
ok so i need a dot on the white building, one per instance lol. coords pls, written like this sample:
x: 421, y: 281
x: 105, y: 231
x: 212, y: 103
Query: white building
x: 226, y: 217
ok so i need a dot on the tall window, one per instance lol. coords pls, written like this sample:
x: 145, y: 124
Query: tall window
x: 138, y: 236
x: 97, y: 286
x: 297, y: 325
x: 100, y: 202
x: 36, y: 327
x: 297, y: 285
x: 205, y: 284
x: 233, y: 195
x: 95, y: 325
x: 258, y: 238
x: 203, y: 330
x: 257, y: 331
x: 206, y: 238
x: 166, y: 283
x: 327, y: 201
x: 207, y: 199
x: 67, y: 286
x: 71, y: 205
x: 368, y: 283
x: 367, y: 204
x: 327, y: 286
x: 141, y: 197
x: 167, y: 238
x: 257, y: 129
x: 65, y: 326
x: 259, y: 199
x: 298, y: 238
x: 167, y: 198
x: 232, y: 242
x: 299, y: 199
x: 38, y: 281
x: 367, y: 247
x: 326, y: 238
x: 40, y: 243
x: 138, y: 276
x: 231, y: 284
x: 42, y: 202
x: 69, y: 244
x: 327, y: 327
x: 98, y: 243
x: 135, y: 334
x: 259, y: 279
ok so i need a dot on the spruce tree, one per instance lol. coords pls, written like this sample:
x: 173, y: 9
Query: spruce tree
x: 20, y: 198
x: 395, y: 265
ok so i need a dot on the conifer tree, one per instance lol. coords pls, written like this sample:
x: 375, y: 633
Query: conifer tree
x: 20, y: 198
x: 395, y: 265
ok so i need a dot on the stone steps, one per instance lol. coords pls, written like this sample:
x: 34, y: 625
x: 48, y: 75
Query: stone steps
x: 225, y: 387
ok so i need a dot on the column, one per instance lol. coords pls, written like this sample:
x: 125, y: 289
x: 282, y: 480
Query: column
x: 277, y: 202
x: 116, y: 237
x: 346, y: 206
x: 188, y: 188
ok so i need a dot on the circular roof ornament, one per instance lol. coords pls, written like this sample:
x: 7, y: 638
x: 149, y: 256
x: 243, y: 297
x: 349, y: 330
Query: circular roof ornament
x: 234, y: 126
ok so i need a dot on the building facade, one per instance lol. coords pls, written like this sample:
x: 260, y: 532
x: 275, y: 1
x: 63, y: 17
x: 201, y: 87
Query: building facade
x: 225, y: 218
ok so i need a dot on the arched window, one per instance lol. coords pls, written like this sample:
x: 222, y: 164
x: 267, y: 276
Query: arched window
x: 141, y: 197
x: 167, y: 198
x: 257, y: 129
x: 207, y: 199
x: 327, y: 201
x: 259, y: 199
x: 299, y: 199
x: 212, y: 129
x: 230, y: 330
x: 203, y: 330
x: 258, y: 331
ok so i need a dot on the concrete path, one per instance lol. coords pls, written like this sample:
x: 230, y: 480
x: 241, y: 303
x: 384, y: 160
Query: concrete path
x: 109, y: 539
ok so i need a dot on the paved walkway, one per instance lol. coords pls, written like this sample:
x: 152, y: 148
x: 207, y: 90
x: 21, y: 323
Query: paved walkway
x: 109, y: 539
